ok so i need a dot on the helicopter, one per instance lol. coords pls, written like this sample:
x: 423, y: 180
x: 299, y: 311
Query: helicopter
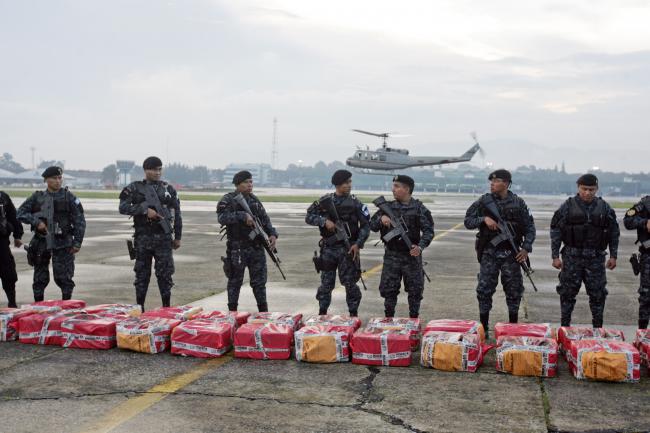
x: 389, y: 158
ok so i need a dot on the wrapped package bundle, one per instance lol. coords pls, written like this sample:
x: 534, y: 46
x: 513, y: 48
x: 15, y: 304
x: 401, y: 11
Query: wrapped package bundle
x: 70, y: 304
x: 375, y: 346
x: 527, y: 356
x: 323, y: 343
x: 399, y: 323
x: 451, y: 351
x: 202, y: 338
x: 334, y: 319
x: 293, y: 320
x: 132, y: 310
x: 452, y: 325
x: 606, y: 360
x: 10, y: 322
x: 263, y: 341
x: 44, y: 328
x: 145, y: 334
x: 237, y: 318
x: 543, y: 330
x: 566, y: 335
x: 186, y: 312
x: 642, y: 343
x: 90, y: 331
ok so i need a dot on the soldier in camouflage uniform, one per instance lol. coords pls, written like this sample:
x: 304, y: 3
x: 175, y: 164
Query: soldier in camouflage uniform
x: 241, y: 251
x: 68, y: 232
x: 494, y: 253
x: 151, y: 240
x: 638, y: 217
x: 399, y: 262
x: 334, y: 254
x: 9, y: 225
x: 586, y: 225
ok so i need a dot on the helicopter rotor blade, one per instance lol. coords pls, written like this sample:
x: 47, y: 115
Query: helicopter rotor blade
x: 384, y: 135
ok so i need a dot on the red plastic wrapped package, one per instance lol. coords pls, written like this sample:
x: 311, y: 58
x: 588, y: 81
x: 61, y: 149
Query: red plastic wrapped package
x: 403, y: 323
x: 527, y: 356
x: 44, y: 328
x: 323, y: 343
x: 186, y: 312
x: 452, y: 325
x: 263, y: 341
x: 451, y: 351
x: 605, y: 360
x: 375, y: 346
x: 293, y: 320
x: 90, y: 331
x: 543, y: 330
x: 70, y: 304
x: 132, y: 310
x: 642, y: 343
x: 202, y: 338
x: 237, y: 318
x: 10, y: 322
x: 145, y: 334
x: 566, y: 335
x: 334, y: 319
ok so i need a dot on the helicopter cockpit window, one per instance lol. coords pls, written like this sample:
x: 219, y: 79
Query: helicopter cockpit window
x: 359, y: 155
x: 374, y: 157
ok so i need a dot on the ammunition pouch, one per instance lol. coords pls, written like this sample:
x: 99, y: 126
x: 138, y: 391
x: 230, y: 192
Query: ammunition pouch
x: 321, y: 264
x: 227, y: 266
x: 636, y: 264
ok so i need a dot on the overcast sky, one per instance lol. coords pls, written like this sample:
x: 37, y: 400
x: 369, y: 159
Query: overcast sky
x: 199, y: 82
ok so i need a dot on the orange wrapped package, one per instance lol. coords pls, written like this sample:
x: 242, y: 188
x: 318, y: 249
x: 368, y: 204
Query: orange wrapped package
x: 451, y: 351
x: 527, y: 356
x: 144, y: 334
x: 323, y: 343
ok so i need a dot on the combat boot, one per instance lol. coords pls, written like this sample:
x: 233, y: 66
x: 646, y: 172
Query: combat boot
x: 565, y: 320
x: 166, y: 299
x: 353, y: 313
x: 513, y: 317
x: 322, y: 311
x: 263, y: 308
x: 140, y: 301
x: 66, y: 296
x: 389, y: 312
x: 597, y: 322
x: 232, y: 307
x: 39, y: 298
x: 485, y: 321
x: 643, y: 323
x: 11, y: 297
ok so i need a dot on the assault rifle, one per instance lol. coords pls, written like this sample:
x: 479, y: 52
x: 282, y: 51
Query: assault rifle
x: 258, y: 233
x: 399, y: 228
x: 152, y: 200
x: 341, y: 232
x: 506, y: 234
x: 46, y: 215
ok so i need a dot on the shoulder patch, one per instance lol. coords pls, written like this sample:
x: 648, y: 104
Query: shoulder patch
x: 631, y: 212
x: 365, y: 211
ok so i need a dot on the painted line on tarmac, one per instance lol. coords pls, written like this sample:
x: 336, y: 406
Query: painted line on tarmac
x: 379, y: 267
x: 138, y: 404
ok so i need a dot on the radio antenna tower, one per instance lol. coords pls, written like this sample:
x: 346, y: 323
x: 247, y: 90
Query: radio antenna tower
x: 274, y: 146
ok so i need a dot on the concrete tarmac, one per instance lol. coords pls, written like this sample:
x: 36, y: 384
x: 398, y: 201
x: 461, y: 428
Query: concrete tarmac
x: 45, y: 388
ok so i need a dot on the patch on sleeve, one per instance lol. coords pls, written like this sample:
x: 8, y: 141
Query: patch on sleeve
x: 631, y: 212
x: 365, y: 211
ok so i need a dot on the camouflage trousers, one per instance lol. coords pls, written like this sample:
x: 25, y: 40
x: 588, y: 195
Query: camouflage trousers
x: 576, y: 269
x: 644, y: 288
x: 63, y: 270
x: 253, y: 258
x: 398, y: 266
x: 153, y: 247
x: 494, y: 262
x: 8, y: 272
x: 337, y: 257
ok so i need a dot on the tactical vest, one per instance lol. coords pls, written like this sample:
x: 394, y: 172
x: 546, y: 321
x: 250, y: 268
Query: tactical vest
x: 5, y: 226
x: 141, y: 223
x: 61, y: 204
x: 583, y: 229
x: 642, y: 232
x: 411, y: 218
x: 347, y: 211
x: 240, y: 232
x: 511, y: 212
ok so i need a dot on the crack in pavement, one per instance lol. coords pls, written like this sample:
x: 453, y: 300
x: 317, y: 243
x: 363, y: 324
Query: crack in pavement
x: 34, y: 358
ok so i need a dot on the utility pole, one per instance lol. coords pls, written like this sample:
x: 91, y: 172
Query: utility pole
x: 274, y: 146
